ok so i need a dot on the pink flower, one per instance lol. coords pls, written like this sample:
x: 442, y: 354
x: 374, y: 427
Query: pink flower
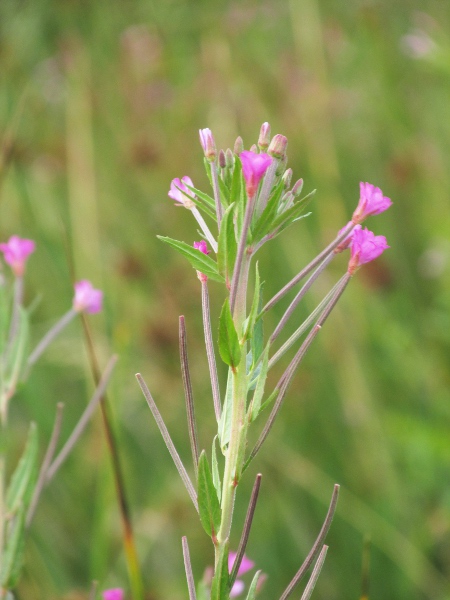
x: 87, y: 298
x: 245, y: 566
x: 254, y: 167
x: 365, y: 247
x: 371, y: 202
x: 201, y: 246
x: 113, y: 594
x: 208, y: 144
x: 348, y: 240
x: 15, y: 252
x: 177, y: 195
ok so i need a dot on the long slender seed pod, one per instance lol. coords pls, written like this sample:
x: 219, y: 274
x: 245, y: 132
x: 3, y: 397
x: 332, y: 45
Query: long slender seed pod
x: 246, y: 530
x: 168, y: 441
x: 316, y: 547
x: 315, y: 575
x: 188, y: 569
x: 210, y: 351
x: 188, y: 394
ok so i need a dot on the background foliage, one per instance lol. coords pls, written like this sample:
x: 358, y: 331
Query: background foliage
x: 100, y: 103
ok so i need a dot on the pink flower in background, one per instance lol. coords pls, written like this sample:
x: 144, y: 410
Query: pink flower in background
x: 364, y: 248
x: 177, y: 195
x: 113, y: 594
x: 254, y: 167
x: 16, y: 251
x: 245, y: 566
x: 201, y: 246
x: 348, y: 240
x: 87, y: 297
x: 371, y: 202
x: 208, y: 143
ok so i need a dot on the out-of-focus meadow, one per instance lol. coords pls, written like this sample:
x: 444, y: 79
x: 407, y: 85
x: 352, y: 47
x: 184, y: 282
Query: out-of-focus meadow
x: 100, y: 103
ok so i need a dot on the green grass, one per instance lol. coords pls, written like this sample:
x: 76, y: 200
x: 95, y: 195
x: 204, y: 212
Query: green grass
x: 102, y: 102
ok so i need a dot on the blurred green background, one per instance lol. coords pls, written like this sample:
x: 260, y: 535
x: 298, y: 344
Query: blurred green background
x: 100, y: 103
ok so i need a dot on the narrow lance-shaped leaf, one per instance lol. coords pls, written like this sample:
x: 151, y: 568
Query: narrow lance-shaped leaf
x: 200, y: 262
x: 201, y: 200
x: 204, y: 197
x: 260, y: 385
x: 215, y: 470
x: 220, y: 582
x: 251, y: 320
x: 13, y: 553
x: 257, y: 342
x: 292, y: 214
x: 229, y: 348
x: 252, y: 589
x: 208, y: 502
x: 226, y: 254
x: 21, y: 485
x: 225, y: 420
x: 264, y: 223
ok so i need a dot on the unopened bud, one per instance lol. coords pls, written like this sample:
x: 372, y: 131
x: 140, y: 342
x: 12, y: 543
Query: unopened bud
x: 208, y: 144
x: 229, y: 158
x: 222, y: 160
x: 281, y: 166
x: 238, y: 145
x: 254, y: 149
x: 278, y: 145
x: 297, y: 189
x: 287, y: 177
x: 264, y: 137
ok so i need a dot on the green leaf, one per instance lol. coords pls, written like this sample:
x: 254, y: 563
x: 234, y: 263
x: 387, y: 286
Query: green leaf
x: 13, y: 552
x: 252, y: 589
x: 224, y: 192
x: 220, y: 583
x: 215, y: 470
x: 201, y: 262
x: 254, y: 311
x: 206, y: 199
x: 229, y: 348
x: 292, y: 214
x: 21, y: 484
x: 208, y: 502
x: 225, y: 419
x: 269, y: 214
x: 226, y: 254
x: 257, y: 342
x: 200, y: 202
x: 260, y: 385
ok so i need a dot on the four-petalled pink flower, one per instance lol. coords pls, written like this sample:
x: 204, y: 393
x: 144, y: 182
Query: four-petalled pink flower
x: 87, y: 297
x: 16, y: 252
x: 254, y: 167
x: 246, y: 565
x: 177, y: 195
x: 371, y: 202
x: 365, y: 247
x: 113, y: 594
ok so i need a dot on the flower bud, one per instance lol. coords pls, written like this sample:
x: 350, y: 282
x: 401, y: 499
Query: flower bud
x: 254, y: 149
x: 278, y: 145
x: 222, y: 159
x: 281, y: 166
x: 204, y: 249
x: 229, y: 157
x: 264, y: 137
x: 208, y: 144
x: 287, y: 177
x: 238, y: 145
x: 177, y: 187
x: 297, y: 189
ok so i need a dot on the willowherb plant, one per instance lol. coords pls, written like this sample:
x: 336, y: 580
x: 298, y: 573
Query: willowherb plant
x: 19, y: 494
x: 252, y: 203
